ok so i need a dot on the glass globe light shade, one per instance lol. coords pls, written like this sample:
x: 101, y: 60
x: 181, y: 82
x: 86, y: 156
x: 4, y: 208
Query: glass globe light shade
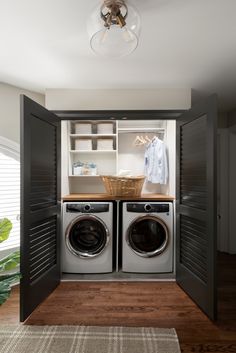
x: 114, y: 42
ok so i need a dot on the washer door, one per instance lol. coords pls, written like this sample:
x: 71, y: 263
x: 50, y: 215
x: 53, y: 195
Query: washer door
x: 147, y: 236
x: 87, y: 236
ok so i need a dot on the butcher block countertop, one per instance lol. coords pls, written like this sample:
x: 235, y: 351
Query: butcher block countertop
x: 94, y: 197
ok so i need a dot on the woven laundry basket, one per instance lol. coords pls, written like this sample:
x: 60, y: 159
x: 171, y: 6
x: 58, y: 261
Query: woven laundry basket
x: 123, y: 186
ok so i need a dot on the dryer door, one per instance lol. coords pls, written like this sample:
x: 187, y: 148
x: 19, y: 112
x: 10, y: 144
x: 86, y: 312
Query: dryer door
x: 147, y: 236
x: 87, y: 236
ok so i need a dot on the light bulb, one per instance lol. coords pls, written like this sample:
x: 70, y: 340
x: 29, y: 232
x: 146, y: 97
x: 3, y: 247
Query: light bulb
x: 103, y: 36
x: 115, y: 41
x: 127, y: 35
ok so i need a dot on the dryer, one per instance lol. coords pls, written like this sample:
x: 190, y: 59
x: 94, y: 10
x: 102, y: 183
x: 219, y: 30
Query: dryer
x: 87, y: 237
x: 147, y: 237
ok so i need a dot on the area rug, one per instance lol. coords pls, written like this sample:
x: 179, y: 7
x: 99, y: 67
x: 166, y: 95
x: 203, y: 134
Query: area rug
x: 87, y: 339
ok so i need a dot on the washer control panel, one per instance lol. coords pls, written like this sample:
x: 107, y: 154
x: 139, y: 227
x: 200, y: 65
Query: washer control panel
x: 147, y: 207
x: 87, y: 208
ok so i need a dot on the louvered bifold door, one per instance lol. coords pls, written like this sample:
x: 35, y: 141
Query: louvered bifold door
x: 40, y: 205
x: 196, y: 204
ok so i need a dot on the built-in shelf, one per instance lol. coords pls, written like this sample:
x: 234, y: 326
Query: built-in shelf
x: 93, y: 151
x: 145, y: 129
x: 102, y: 150
x: 92, y: 135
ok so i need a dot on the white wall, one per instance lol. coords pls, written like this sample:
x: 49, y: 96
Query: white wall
x: 65, y: 99
x: 10, y: 110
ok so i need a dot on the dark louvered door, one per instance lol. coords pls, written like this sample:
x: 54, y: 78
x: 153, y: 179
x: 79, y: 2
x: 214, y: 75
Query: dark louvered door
x: 40, y: 205
x: 196, y: 204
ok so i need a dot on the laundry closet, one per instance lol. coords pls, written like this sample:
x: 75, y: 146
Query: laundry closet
x: 131, y: 239
x: 63, y: 196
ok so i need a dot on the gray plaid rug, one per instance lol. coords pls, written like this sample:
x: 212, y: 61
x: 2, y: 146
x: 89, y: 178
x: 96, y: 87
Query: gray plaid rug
x: 87, y: 339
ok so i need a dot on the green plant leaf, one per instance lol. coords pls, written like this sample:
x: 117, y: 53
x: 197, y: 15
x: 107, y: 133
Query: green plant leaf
x: 10, y: 262
x: 5, y: 228
x: 15, y: 255
x: 10, y: 279
x: 5, y: 290
x: 5, y: 285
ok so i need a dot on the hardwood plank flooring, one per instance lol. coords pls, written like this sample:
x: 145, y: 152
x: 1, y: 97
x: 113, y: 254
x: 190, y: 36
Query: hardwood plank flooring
x: 157, y: 304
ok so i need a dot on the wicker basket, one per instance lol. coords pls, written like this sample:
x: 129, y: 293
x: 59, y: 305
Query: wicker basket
x: 123, y: 186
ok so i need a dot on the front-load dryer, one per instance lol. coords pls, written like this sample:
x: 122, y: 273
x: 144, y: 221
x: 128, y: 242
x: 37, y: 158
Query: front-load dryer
x: 87, y: 237
x: 147, y: 242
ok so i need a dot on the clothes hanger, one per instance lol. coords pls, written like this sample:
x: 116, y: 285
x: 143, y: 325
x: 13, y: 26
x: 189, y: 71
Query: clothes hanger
x: 143, y: 140
x: 138, y: 141
x: 154, y: 138
x: 148, y: 140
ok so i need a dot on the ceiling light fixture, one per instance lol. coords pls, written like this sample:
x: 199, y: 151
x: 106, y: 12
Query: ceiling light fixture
x: 115, y: 31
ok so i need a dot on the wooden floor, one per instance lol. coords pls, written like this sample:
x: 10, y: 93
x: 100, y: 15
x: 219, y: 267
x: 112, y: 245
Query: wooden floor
x: 157, y: 304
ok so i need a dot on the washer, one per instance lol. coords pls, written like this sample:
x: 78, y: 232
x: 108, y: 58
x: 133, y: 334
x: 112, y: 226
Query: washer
x: 147, y: 241
x: 87, y: 237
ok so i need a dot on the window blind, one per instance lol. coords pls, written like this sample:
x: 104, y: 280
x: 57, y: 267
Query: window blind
x: 10, y: 198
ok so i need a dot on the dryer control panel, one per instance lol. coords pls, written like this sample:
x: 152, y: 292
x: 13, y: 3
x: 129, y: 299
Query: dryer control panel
x: 147, y: 207
x: 87, y: 208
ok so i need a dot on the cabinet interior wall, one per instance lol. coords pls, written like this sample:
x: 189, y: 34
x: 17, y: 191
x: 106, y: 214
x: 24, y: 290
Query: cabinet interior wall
x: 123, y: 154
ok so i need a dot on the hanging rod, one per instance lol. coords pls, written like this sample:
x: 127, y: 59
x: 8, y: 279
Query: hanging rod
x: 137, y: 129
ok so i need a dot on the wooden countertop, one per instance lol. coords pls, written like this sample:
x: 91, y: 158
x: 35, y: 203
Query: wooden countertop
x: 94, y: 197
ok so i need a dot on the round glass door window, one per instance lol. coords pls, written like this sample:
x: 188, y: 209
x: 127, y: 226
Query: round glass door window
x: 147, y: 236
x: 87, y: 236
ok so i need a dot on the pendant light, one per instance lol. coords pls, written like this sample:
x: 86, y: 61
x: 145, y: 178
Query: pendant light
x: 114, y: 29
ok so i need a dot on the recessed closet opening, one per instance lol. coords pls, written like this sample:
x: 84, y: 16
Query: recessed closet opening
x: 64, y: 199
x: 92, y: 149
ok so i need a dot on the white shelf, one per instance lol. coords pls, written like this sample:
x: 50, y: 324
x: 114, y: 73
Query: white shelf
x: 92, y: 135
x: 93, y: 151
x: 143, y: 129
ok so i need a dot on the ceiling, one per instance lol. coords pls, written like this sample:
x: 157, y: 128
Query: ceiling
x: 183, y: 43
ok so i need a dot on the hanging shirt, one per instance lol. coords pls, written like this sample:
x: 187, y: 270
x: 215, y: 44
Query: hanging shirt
x: 156, y: 165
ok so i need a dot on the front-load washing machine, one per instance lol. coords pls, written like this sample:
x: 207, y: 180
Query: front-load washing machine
x: 87, y: 237
x: 147, y: 242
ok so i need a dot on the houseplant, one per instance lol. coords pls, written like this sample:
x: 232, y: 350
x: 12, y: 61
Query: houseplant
x: 8, y: 264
